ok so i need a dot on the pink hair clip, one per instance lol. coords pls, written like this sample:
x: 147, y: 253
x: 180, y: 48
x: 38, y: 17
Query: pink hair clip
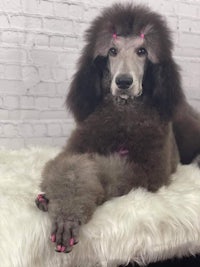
x: 114, y: 36
x: 142, y: 35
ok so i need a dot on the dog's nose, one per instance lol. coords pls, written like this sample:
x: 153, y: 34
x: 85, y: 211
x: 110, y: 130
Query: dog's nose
x: 124, y: 81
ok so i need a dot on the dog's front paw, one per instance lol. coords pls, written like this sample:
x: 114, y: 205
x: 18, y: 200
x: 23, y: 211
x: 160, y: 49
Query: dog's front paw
x: 42, y: 202
x: 65, y: 233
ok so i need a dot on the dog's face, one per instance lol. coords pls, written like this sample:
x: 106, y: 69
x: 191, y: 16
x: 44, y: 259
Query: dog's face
x: 126, y: 63
x: 127, y: 59
x: 128, y: 52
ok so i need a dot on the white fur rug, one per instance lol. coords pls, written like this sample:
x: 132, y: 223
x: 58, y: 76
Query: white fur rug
x: 141, y: 226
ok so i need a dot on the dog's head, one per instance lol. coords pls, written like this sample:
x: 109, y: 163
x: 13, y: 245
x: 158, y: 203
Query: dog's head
x: 128, y: 54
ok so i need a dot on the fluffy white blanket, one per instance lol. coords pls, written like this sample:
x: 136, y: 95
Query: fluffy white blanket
x: 140, y: 226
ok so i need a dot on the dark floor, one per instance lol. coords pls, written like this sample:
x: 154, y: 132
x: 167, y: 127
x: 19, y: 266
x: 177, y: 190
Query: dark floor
x: 185, y: 262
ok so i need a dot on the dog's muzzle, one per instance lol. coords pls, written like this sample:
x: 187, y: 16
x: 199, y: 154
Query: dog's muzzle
x: 125, y: 89
x: 124, y: 81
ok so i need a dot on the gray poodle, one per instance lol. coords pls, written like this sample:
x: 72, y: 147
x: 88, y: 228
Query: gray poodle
x: 127, y: 100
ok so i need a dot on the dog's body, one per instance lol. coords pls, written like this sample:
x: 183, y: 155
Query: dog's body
x: 136, y: 133
x: 125, y: 98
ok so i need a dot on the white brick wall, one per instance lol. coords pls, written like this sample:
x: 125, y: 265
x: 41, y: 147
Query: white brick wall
x: 40, y: 41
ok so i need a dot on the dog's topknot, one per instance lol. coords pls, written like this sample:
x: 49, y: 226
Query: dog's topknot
x: 129, y: 20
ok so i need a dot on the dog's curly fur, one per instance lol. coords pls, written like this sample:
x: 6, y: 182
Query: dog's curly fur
x: 91, y: 168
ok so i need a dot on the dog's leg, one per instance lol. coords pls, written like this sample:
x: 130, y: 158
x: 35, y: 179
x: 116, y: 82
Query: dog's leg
x: 72, y: 187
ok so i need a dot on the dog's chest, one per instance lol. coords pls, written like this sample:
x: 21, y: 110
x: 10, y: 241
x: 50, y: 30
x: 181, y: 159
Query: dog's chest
x: 122, y: 129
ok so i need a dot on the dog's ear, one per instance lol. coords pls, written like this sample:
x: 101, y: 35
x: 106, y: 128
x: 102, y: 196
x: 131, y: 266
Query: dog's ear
x: 162, y: 82
x: 85, y: 91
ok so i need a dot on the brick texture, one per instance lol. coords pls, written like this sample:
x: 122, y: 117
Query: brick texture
x: 40, y: 41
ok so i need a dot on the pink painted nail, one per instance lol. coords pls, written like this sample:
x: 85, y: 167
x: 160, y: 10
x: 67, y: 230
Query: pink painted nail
x: 71, y: 242
x: 53, y: 238
x: 41, y: 198
x: 59, y: 247
x: 63, y: 249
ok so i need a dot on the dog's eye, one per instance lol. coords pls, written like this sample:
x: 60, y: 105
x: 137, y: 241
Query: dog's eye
x: 141, y: 52
x: 112, y: 52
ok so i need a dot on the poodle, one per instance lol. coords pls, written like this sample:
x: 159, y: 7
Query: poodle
x: 127, y: 100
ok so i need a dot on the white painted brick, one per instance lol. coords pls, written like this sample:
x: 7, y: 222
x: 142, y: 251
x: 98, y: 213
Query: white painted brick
x: 3, y: 114
x: 53, y: 114
x: 10, y: 5
x: 30, y: 76
x: 43, y: 57
x: 187, y: 9
x: 33, y: 23
x: 169, y: 7
x: 190, y: 40
x: 1, y: 102
x: 40, y: 130
x: 38, y: 7
x: 10, y: 130
x: 26, y: 130
x: 30, y: 6
x: 2, y: 67
x: 30, y: 39
x: 27, y: 102
x: 172, y: 23
x: 59, y: 142
x: 46, y: 8
x: 11, y: 102
x: 12, y: 55
x: 2, y: 5
x: 4, y: 21
x: 45, y: 74
x: 71, y: 42
x: 56, y: 41
x: 14, y: 114
x: 54, y: 130
x: 188, y: 25
x: 26, y: 22
x: 187, y: 52
x: 62, y: 9
x: 62, y: 88
x: 60, y: 26
x: 59, y: 74
x: 38, y: 141
x: 43, y: 89
x: 195, y: 66
x: 42, y: 103
x: 67, y: 58
x: 56, y: 102
x: 30, y: 114
x: 90, y: 14
x: 76, y: 11
x: 80, y: 28
x: 13, y: 72
x: 18, y: 21
x: 155, y: 5
x: 13, y: 37
x: 12, y: 87
x: 1, y: 131
x: 42, y: 40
